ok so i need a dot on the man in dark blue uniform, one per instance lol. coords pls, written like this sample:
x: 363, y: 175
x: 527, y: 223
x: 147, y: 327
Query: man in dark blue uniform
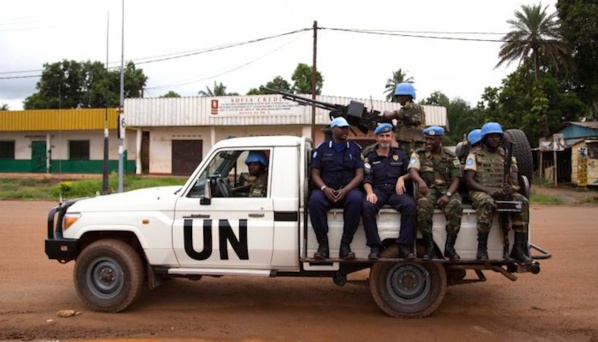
x: 336, y: 172
x: 384, y: 183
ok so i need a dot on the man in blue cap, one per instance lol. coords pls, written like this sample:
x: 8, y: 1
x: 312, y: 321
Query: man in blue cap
x: 336, y: 172
x: 436, y: 170
x: 384, y: 183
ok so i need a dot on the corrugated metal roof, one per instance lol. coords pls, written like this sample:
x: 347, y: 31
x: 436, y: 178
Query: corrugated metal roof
x: 57, y: 119
x: 246, y: 110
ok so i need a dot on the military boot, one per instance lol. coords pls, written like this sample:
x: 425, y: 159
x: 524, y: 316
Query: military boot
x: 323, y: 251
x: 374, y: 253
x: 449, y: 247
x: 520, y: 248
x: 482, y: 253
x: 345, y: 252
x: 406, y: 252
x: 429, y: 247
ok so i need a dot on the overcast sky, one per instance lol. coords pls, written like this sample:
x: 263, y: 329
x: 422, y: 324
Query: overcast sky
x: 34, y: 32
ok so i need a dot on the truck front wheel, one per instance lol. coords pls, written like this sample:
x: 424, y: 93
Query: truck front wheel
x: 109, y: 275
x: 405, y: 288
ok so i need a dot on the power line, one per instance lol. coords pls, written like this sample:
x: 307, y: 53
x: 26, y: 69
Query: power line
x: 177, y: 55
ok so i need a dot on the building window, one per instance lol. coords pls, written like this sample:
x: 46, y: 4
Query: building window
x: 79, y: 149
x: 7, y: 150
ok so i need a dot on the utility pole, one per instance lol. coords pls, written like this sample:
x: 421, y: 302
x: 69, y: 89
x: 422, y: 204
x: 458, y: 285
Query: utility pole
x: 313, y: 83
x: 121, y: 118
x: 105, y: 183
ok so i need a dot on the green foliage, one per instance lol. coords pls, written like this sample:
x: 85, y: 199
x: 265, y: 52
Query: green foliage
x: 535, y: 34
x: 461, y: 117
x: 302, y: 80
x: 546, y: 199
x: 218, y: 90
x: 398, y: 77
x: 51, y: 189
x: 277, y: 83
x: 170, y: 94
x: 72, y: 84
x: 536, y: 109
x: 578, y: 26
x: 4, y: 107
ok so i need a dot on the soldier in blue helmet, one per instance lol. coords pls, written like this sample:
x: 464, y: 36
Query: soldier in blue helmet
x: 485, y: 180
x: 336, y: 172
x: 436, y: 170
x: 257, y: 164
x: 411, y: 119
x: 384, y: 183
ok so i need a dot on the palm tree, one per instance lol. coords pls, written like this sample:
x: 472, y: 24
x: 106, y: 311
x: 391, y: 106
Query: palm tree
x: 537, y: 33
x: 4, y: 107
x: 398, y: 76
x: 218, y: 90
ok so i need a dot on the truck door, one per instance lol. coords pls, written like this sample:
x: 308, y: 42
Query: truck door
x: 233, y: 228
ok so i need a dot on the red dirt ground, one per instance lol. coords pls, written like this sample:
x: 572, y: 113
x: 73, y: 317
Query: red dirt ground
x: 559, y: 304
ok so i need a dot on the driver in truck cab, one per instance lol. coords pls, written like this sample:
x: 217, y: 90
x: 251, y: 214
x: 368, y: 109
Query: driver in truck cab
x: 257, y: 164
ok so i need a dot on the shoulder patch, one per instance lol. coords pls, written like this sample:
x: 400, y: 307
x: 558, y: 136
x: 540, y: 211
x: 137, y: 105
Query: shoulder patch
x: 456, y: 163
x: 469, y: 162
x: 413, y: 161
x: 314, y: 155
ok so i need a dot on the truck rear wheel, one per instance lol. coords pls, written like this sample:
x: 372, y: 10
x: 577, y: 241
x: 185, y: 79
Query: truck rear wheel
x: 405, y: 288
x: 109, y: 275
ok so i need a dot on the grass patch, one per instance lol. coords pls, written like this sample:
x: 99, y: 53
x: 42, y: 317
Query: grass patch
x: 52, y: 189
x: 546, y: 199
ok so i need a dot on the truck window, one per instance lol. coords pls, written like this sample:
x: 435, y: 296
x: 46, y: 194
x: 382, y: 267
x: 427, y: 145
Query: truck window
x: 230, y: 176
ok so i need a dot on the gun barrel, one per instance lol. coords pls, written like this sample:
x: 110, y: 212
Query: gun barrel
x: 304, y: 101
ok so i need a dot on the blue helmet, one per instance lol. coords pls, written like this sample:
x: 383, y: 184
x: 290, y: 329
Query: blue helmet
x: 405, y: 89
x: 491, y: 127
x: 257, y: 157
x: 475, y: 136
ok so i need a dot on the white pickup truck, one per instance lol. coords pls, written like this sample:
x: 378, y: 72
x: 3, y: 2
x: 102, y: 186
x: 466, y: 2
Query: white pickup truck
x: 124, y: 242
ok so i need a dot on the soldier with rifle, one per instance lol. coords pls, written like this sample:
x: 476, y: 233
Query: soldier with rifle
x: 489, y: 183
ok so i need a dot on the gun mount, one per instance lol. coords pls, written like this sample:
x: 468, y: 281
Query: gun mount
x: 355, y: 112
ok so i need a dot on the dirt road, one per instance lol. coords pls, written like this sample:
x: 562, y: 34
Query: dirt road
x: 559, y: 304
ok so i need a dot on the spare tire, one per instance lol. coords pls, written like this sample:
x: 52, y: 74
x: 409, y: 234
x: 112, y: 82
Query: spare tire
x: 522, y: 151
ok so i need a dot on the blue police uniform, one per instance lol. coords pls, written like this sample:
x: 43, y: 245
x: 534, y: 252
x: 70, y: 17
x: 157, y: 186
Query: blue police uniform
x: 337, y: 163
x: 383, y: 173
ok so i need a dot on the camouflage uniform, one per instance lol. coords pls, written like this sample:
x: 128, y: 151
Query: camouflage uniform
x: 488, y: 169
x: 438, y: 171
x: 259, y: 187
x: 411, y: 120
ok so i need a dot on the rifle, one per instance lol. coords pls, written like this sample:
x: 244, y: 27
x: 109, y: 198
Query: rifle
x: 355, y: 112
x: 507, y: 205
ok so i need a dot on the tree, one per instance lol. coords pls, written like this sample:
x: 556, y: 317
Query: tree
x: 302, y: 80
x: 536, y: 33
x: 398, y: 77
x: 537, y: 108
x: 4, y: 107
x: 582, y: 33
x: 218, y: 90
x: 461, y: 118
x: 277, y: 83
x: 72, y: 84
x: 171, y: 93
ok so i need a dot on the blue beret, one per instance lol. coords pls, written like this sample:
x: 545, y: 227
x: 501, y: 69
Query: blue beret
x: 339, y: 122
x: 383, y: 128
x: 434, y: 131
